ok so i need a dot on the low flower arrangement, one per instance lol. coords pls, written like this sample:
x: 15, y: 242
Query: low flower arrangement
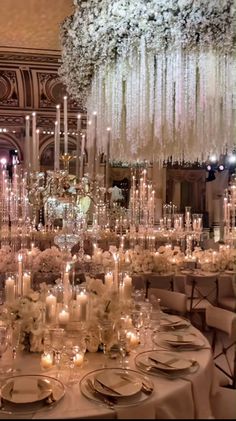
x: 30, y: 310
x: 104, y: 305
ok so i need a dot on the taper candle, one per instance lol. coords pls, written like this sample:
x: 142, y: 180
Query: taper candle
x: 65, y: 126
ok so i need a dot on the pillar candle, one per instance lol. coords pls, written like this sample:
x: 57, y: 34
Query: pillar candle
x: 10, y: 290
x: 108, y: 279
x: 82, y: 298
x: 63, y: 317
x: 51, y: 303
x: 65, y: 126
x: 26, y: 283
x: 66, y: 284
x: 127, y: 282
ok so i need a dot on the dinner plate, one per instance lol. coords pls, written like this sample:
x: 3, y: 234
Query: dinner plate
x: 174, y: 367
x: 24, y: 391
x: 118, y: 384
x: 173, y: 322
x: 179, y: 340
x: 166, y: 361
x: 135, y: 395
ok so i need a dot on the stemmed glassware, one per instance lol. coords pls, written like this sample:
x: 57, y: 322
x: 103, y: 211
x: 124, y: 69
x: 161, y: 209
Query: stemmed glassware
x: 4, y: 343
x: 14, y: 340
x: 56, y: 337
x: 106, y: 333
x: 122, y: 330
x: 75, y: 348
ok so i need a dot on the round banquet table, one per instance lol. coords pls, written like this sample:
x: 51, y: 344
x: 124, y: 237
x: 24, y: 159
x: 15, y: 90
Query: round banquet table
x: 187, y: 397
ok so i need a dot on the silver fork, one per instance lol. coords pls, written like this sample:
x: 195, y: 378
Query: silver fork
x: 108, y: 401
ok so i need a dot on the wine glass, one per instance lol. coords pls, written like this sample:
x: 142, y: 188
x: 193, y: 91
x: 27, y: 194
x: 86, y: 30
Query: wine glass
x: 122, y: 330
x: 14, y: 340
x: 106, y: 334
x: 75, y: 348
x: 4, y: 342
x: 56, y: 336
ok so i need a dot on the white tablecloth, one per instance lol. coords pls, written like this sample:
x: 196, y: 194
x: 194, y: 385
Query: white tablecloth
x: 182, y: 398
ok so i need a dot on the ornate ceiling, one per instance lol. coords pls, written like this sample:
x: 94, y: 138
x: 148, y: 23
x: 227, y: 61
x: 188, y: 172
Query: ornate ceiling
x: 32, y: 24
x: 29, y: 62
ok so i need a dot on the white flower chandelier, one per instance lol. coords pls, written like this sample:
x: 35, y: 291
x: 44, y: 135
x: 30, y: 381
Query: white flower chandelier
x: 160, y: 73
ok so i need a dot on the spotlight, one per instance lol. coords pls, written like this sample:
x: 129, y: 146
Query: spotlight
x: 208, y: 167
x: 232, y: 159
x: 213, y: 158
x: 221, y: 168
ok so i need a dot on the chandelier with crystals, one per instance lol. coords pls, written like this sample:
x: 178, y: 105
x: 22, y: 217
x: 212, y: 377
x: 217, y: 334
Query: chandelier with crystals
x: 159, y: 73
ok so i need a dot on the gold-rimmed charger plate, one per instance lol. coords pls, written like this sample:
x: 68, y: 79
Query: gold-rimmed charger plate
x: 122, y: 401
x: 180, y: 367
x: 115, y: 383
x: 27, y: 393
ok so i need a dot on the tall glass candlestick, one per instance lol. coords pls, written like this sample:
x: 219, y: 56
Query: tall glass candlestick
x: 56, y: 149
x: 78, y: 156
x: 37, y: 165
x: 65, y: 126
x: 94, y: 145
x: 82, y: 156
x: 34, y: 140
x: 108, y: 156
x: 27, y: 160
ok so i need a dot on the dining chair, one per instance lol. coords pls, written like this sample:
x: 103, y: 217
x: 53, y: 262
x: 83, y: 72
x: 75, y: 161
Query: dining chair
x: 226, y: 297
x: 202, y: 291
x: 223, y: 325
x: 175, y: 302
x: 163, y: 281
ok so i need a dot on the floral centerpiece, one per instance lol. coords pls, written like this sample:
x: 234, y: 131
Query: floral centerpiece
x: 30, y: 309
x: 104, y: 304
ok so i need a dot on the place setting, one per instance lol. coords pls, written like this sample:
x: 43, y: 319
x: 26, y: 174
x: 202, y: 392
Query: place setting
x: 116, y: 387
x: 167, y: 364
x: 173, y: 322
x: 179, y: 341
x: 30, y: 393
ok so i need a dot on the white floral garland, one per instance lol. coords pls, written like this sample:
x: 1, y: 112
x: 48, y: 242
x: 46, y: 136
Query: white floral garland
x: 159, y: 73
x: 100, y: 31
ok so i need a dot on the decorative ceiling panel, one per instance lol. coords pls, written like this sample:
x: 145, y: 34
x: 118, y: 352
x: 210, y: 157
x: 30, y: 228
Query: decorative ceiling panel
x: 32, y: 24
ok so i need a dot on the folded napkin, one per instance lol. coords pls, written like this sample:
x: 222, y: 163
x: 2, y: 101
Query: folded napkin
x: 23, y: 391
x: 167, y: 362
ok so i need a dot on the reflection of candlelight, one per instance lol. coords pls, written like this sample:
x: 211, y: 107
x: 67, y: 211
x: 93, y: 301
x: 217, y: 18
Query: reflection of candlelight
x: 46, y: 360
x: 78, y: 359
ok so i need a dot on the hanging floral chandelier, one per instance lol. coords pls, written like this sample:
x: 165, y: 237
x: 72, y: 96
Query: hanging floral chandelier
x: 159, y: 73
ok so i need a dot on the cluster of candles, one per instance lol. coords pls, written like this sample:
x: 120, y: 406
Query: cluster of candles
x: 18, y: 284
x: 142, y: 201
